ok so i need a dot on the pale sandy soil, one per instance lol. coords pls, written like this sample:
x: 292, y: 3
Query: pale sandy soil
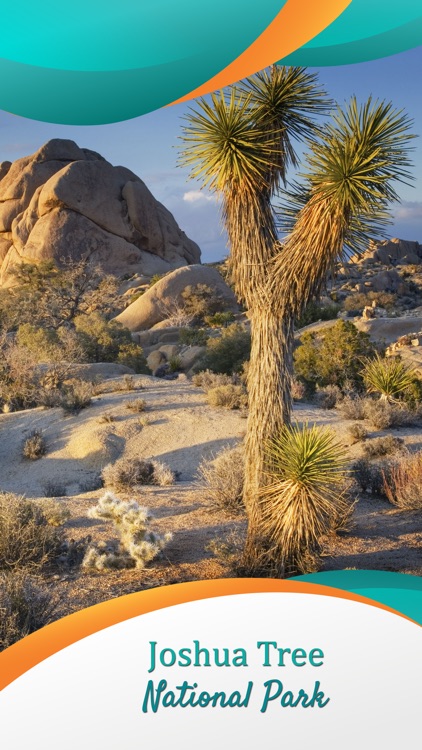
x: 182, y: 430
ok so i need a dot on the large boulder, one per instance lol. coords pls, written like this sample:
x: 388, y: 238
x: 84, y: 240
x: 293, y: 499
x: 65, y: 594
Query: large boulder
x: 65, y: 201
x: 394, y: 252
x: 166, y: 295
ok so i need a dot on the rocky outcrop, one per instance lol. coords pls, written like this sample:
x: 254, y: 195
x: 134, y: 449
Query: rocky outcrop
x: 393, y: 252
x: 65, y: 201
x: 164, y: 297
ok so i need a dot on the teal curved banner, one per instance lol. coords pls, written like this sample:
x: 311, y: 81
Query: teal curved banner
x: 366, y: 30
x: 105, y: 61
x: 396, y: 590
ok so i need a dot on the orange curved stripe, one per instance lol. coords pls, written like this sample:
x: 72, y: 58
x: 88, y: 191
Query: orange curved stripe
x: 296, y: 23
x: 27, y: 653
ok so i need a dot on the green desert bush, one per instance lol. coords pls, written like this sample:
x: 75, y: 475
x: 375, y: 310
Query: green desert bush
x: 228, y: 396
x: 26, y: 605
x: 382, y: 446
x: 229, y: 352
x: 105, y: 340
x: 26, y: 537
x: 333, y: 356
x: 315, y: 312
x: 34, y: 446
x: 193, y: 337
x: 175, y: 363
x: 200, y: 301
x: 138, y: 543
x: 221, y: 479
x: 127, y: 473
x: 403, y: 484
x: 389, y: 377
x: 358, y: 300
x: 305, y: 496
x: 55, y: 513
x: 220, y: 319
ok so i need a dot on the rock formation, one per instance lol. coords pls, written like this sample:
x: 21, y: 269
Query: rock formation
x: 165, y: 296
x: 65, y: 201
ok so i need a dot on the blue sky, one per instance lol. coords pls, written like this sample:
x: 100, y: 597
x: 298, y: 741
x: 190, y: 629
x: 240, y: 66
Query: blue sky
x: 148, y: 146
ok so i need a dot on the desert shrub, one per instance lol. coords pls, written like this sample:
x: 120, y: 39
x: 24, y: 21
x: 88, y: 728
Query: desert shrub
x: 34, y: 446
x: 200, y: 301
x: 127, y: 473
x: 328, y: 396
x: 382, y: 446
x: 26, y: 537
x: 193, y: 337
x: 305, y: 494
x: 228, y: 396
x: 352, y: 407
x: 131, y: 355
x: 75, y: 395
x: 108, y: 341
x: 106, y: 418
x: 384, y: 415
x: 128, y: 383
x: 389, y: 377
x: 26, y: 605
x: 358, y: 300
x: 136, y: 405
x: 403, y: 484
x: 220, y: 319
x: 19, y: 381
x: 206, y: 379
x: 55, y: 513
x: 175, y: 363
x: 298, y: 390
x: 315, y: 312
x: 370, y: 476
x: 357, y: 431
x: 333, y: 356
x: 229, y: 352
x: 221, y: 479
x: 138, y: 543
x: 54, y: 488
x: 229, y: 550
x: 156, y: 277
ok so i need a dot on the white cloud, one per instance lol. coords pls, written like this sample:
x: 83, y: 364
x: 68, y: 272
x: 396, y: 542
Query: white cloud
x: 410, y: 210
x: 197, y: 196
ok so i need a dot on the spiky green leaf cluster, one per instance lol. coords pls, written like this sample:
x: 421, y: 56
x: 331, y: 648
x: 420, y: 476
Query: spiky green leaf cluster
x: 389, y: 377
x: 304, y: 495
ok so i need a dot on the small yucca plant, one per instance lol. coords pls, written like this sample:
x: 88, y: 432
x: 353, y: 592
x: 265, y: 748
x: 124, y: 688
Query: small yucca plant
x: 305, y: 496
x: 389, y: 377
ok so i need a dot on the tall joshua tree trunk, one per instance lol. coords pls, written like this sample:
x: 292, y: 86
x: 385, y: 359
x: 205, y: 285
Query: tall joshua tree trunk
x: 270, y: 374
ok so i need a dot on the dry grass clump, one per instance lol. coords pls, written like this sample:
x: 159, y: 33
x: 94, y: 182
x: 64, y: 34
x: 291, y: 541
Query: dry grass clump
x: 26, y: 605
x: 106, y: 418
x: 352, y: 407
x: 136, y: 405
x: 403, y: 483
x: 55, y: 513
x: 382, y: 446
x: 370, y: 477
x: 221, y: 479
x: 26, y: 537
x: 208, y: 380
x: 138, y: 543
x: 76, y: 395
x: 34, y: 446
x: 127, y: 473
x: 383, y: 414
x: 228, y: 397
x: 305, y: 498
x: 298, y: 390
x: 327, y: 397
x: 358, y: 432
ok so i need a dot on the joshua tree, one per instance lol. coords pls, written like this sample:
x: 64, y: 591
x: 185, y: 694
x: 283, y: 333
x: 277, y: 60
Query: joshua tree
x: 239, y: 144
